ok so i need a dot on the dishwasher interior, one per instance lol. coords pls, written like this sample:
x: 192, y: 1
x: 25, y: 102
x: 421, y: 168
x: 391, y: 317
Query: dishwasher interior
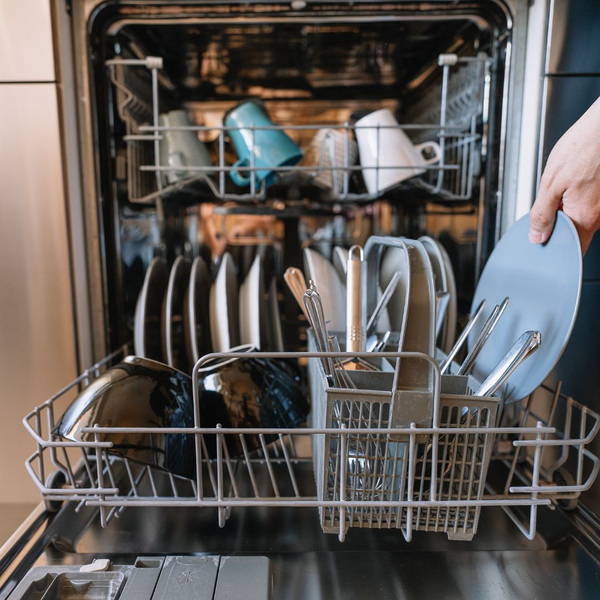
x: 503, y: 492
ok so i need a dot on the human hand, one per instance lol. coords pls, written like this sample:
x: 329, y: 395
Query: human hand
x: 571, y: 182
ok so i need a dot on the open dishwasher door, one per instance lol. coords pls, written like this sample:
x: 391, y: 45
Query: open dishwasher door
x: 257, y: 521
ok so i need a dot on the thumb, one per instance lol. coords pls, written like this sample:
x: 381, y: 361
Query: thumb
x: 543, y: 214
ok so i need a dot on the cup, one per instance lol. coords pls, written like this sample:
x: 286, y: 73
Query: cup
x: 181, y: 148
x: 271, y: 147
x: 327, y: 151
x: 388, y: 146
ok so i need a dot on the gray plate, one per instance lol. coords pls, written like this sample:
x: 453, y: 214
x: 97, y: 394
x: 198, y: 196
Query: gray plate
x: 544, y: 287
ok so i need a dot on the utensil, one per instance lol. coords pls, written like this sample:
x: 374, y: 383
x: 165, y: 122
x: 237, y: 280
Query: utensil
x: 381, y: 344
x: 355, y: 301
x: 383, y: 302
x: 196, y: 312
x: 540, y: 299
x: 316, y: 318
x: 381, y: 143
x: 522, y: 349
x: 343, y: 378
x: 483, y: 337
x: 463, y: 336
x: 269, y: 147
x: 297, y: 285
x: 148, y: 328
x: 174, y: 338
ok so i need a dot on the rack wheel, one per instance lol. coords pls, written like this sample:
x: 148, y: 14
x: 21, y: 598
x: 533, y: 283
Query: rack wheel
x: 563, y: 477
x: 55, y: 481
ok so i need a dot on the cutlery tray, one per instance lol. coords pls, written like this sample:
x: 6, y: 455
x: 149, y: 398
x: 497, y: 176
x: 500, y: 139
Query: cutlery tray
x: 373, y: 472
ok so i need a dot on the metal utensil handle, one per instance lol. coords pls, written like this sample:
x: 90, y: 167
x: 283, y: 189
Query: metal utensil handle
x: 320, y: 336
x: 483, y: 337
x: 294, y: 279
x: 383, y: 302
x: 355, y: 301
x: 524, y: 347
x: 463, y: 337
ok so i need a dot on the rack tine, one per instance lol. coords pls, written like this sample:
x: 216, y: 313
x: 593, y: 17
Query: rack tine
x: 289, y: 466
x: 269, y: 466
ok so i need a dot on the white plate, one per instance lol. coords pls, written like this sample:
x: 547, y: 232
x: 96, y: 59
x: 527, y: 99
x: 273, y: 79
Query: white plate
x: 330, y: 288
x: 274, y: 319
x: 396, y: 259
x: 224, y: 312
x: 147, y: 327
x: 543, y: 283
x: 340, y: 262
x: 175, y: 347
x: 250, y: 303
x: 196, y: 312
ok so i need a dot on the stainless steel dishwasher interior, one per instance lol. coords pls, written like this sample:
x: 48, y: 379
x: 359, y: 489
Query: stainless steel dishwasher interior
x: 319, y: 64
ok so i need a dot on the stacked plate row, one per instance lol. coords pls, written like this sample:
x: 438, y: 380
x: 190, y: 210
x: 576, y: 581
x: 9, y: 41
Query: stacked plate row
x: 183, y: 313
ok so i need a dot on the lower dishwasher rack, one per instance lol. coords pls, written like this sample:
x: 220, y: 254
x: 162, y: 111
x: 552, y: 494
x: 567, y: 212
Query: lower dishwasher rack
x: 531, y: 442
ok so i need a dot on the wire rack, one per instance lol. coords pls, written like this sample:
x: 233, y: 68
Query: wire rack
x: 431, y: 497
x: 453, y: 113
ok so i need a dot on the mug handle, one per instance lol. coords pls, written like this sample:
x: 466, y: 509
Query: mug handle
x: 237, y: 178
x: 434, y: 147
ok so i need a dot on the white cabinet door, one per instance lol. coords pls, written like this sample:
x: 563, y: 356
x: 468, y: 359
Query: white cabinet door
x: 26, y: 52
x: 37, y: 347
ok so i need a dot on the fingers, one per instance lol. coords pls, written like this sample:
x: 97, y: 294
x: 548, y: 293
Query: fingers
x: 543, y: 213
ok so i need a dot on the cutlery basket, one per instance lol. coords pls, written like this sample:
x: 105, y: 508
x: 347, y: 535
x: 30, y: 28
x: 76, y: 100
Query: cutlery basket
x: 372, y: 470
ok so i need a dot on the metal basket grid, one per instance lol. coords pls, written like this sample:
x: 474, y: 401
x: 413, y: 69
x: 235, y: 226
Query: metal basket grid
x: 427, y: 494
x: 381, y: 471
x: 450, y: 115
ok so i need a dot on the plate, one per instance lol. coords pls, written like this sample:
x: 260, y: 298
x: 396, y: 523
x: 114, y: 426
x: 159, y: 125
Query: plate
x: 224, y: 311
x: 396, y: 259
x: 175, y: 347
x: 444, y: 282
x: 340, y: 262
x: 196, y: 312
x: 543, y: 283
x: 250, y: 304
x: 274, y: 319
x: 330, y: 288
x: 147, y: 328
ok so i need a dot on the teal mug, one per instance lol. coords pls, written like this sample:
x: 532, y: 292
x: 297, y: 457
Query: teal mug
x: 272, y: 147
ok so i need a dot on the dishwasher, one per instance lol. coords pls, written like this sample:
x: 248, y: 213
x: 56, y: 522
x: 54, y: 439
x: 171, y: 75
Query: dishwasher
x: 498, y: 510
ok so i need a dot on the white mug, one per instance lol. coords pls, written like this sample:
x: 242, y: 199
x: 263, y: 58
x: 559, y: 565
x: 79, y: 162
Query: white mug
x: 328, y: 144
x: 391, y: 148
x: 181, y: 148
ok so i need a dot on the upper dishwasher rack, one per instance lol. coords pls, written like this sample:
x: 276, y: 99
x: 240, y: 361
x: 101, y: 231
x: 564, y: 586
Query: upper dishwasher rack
x: 452, y: 112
